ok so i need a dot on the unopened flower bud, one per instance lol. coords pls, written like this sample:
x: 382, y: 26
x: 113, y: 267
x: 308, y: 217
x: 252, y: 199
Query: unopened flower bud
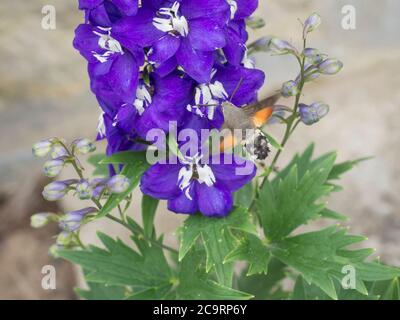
x: 262, y: 44
x: 311, y: 23
x: 289, y: 89
x: 39, y: 220
x: 310, y: 74
x: 118, y: 183
x: 73, y: 219
x: 55, y: 190
x: 281, y: 46
x: 255, y: 22
x: 312, y: 113
x: 58, y: 152
x: 313, y: 55
x: 65, y: 239
x: 52, y: 168
x: 84, y: 190
x: 42, y: 148
x: 98, y: 191
x: 84, y: 145
x: 330, y: 66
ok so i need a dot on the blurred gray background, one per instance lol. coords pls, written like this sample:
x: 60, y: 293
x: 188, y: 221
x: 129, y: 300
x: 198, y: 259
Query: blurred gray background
x: 44, y: 92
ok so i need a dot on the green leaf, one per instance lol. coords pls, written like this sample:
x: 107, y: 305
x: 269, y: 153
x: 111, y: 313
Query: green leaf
x: 120, y: 265
x: 251, y: 249
x: 304, y: 291
x: 330, y: 214
x: 195, y: 284
x: 244, y: 196
x: 290, y: 202
x: 387, y: 290
x: 273, y: 141
x: 100, y: 169
x: 149, y: 209
x: 265, y: 286
x: 217, y: 238
x: 125, y: 157
x: 132, y: 170
x: 341, y: 168
x: 99, y: 291
x: 302, y: 162
x: 320, y: 257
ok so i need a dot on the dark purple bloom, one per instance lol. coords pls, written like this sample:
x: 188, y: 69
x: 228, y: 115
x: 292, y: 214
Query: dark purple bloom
x: 193, y: 185
x: 190, y: 30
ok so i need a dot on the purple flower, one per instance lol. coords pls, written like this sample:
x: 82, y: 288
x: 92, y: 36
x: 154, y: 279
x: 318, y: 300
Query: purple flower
x: 195, y: 185
x: 113, y: 69
x: 105, y: 12
x: 234, y: 83
x: 190, y: 30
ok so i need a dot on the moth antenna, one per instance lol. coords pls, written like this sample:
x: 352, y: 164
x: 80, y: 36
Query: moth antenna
x: 236, y: 89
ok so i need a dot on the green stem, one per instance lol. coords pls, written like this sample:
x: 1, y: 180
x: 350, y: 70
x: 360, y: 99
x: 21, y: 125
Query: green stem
x: 109, y: 216
x: 291, y: 124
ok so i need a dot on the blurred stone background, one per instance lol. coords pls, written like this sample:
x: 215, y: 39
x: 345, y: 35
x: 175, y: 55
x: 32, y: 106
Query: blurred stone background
x: 44, y: 92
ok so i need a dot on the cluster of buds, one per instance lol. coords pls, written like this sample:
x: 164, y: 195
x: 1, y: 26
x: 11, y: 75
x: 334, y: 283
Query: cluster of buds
x: 313, y: 64
x: 85, y: 189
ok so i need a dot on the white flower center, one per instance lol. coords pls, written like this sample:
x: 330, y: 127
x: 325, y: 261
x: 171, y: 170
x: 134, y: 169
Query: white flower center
x: 248, y: 62
x: 169, y: 20
x: 207, y: 96
x: 194, y: 170
x: 234, y: 7
x: 107, y: 43
x: 101, y: 128
x: 143, y: 99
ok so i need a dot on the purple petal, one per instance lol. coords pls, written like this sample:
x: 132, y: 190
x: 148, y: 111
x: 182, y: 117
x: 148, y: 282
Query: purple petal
x: 89, y: 4
x: 182, y: 204
x: 164, y: 48
x: 213, y: 201
x: 127, y: 7
x: 216, y: 9
x: 241, y: 82
x: 232, y: 176
x: 137, y: 30
x: 166, y: 68
x: 86, y: 42
x: 236, y: 38
x: 245, y: 8
x: 197, y: 64
x: 206, y: 35
x: 161, y: 181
